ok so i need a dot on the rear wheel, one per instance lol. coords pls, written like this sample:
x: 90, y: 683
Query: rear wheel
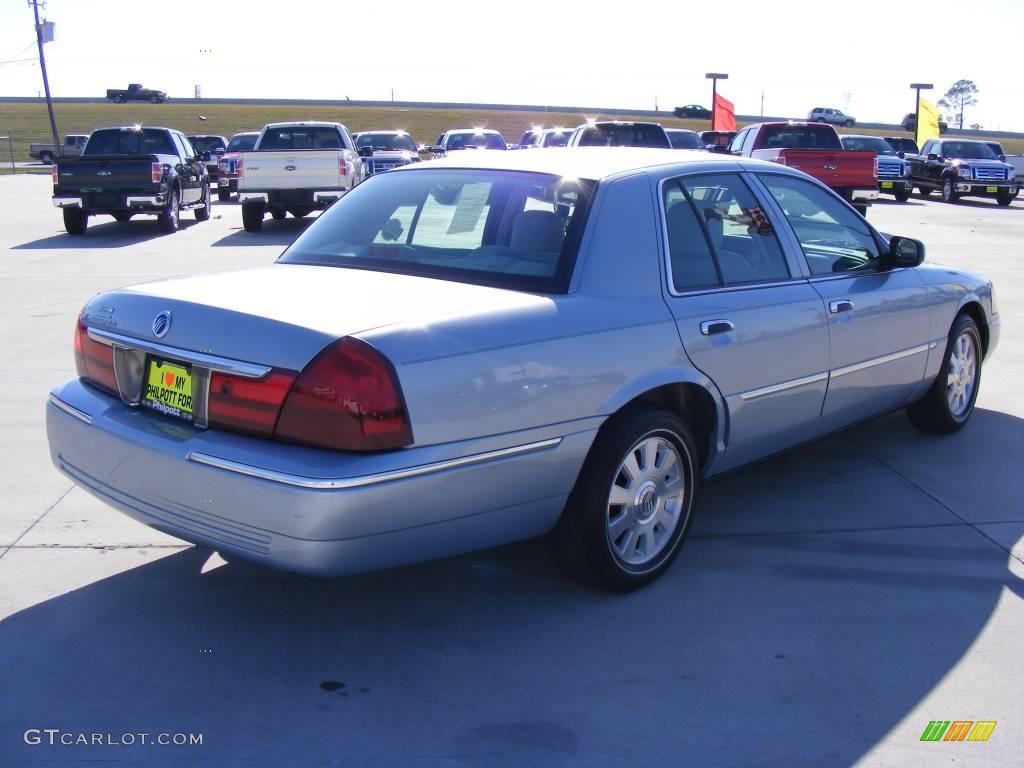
x: 223, y: 194
x: 278, y: 214
x: 122, y: 217
x: 252, y: 217
x: 1003, y: 197
x: 168, y: 220
x: 848, y: 124
x: 949, y: 194
x: 949, y: 402
x: 75, y: 221
x: 46, y: 158
x: 632, y: 505
x: 902, y: 195
x: 203, y: 214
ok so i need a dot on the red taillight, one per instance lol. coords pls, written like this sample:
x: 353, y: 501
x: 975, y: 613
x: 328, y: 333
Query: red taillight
x: 156, y: 172
x: 342, y: 167
x: 94, y: 361
x: 53, y: 173
x: 248, y: 405
x: 347, y: 398
x: 238, y: 167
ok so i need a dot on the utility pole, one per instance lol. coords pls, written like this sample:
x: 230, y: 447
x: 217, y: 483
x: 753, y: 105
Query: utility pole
x: 46, y: 80
x: 762, y: 103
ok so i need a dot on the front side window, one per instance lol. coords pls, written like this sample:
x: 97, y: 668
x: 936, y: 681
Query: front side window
x: 968, y: 150
x: 834, y: 238
x: 511, y: 229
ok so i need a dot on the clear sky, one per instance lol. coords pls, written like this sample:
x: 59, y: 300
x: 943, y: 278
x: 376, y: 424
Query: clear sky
x: 858, y: 55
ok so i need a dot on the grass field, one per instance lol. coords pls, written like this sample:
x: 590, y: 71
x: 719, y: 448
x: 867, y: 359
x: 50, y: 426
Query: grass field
x: 28, y: 123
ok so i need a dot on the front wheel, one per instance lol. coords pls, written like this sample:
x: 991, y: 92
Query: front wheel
x: 168, y: 219
x: 902, y: 195
x: 848, y: 124
x: 949, y: 402
x: 949, y: 194
x: 1004, y: 198
x: 203, y: 214
x: 632, y: 505
x: 75, y: 221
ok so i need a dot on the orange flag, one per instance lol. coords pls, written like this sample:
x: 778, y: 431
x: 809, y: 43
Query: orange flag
x: 725, y: 117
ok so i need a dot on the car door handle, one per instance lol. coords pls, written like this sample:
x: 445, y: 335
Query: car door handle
x: 711, y: 327
x: 843, y: 305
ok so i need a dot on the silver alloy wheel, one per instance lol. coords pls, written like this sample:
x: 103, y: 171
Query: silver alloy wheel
x: 646, y: 500
x: 961, y: 375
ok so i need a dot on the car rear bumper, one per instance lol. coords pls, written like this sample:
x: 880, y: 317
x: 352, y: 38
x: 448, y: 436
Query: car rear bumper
x: 292, y: 198
x: 307, y: 510
x: 117, y: 201
x: 864, y: 195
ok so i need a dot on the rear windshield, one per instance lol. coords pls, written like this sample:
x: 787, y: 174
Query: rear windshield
x: 625, y: 135
x: 386, y: 142
x: 875, y: 144
x: 556, y: 138
x: 242, y: 143
x: 302, y: 137
x: 476, y: 141
x: 903, y: 145
x: 207, y: 143
x: 685, y: 140
x: 968, y: 150
x: 800, y: 137
x: 129, y: 141
x: 527, y: 138
x: 505, y: 228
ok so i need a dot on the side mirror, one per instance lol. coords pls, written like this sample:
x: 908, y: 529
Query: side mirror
x: 932, y: 156
x: 366, y: 151
x: 437, y: 149
x: 904, y: 252
x: 1002, y: 158
x: 901, y: 154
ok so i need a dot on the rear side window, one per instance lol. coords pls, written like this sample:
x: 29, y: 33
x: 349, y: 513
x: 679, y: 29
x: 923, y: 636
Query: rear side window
x: 302, y: 137
x: 504, y: 228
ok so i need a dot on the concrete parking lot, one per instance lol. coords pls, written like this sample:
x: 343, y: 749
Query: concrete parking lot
x: 830, y: 603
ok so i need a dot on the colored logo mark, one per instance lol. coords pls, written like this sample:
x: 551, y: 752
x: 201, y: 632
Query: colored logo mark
x: 958, y: 730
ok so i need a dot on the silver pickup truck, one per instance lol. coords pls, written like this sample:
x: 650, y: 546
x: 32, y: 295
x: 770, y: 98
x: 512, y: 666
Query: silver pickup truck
x: 47, y: 152
x: 296, y: 168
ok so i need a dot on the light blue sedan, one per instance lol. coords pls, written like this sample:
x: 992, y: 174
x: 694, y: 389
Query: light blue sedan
x: 496, y: 346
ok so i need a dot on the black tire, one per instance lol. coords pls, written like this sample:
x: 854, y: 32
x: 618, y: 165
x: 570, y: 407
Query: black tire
x: 300, y: 213
x: 861, y: 208
x: 203, y: 213
x: 902, y: 195
x: 582, y: 541
x: 252, y: 217
x: 154, y: 99
x: 278, y: 213
x: 949, y: 194
x: 934, y: 412
x: 76, y: 221
x: 121, y: 99
x: 848, y: 124
x: 169, y: 219
x: 122, y: 217
x: 224, y: 194
x: 1004, y: 198
x: 46, y: 158
x: 924, y: 191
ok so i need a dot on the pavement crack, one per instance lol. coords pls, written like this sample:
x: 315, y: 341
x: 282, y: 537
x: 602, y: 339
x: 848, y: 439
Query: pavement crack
x: 37, y: 520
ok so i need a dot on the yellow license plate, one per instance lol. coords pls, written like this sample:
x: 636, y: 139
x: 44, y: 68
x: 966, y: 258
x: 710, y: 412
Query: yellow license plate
x: 168, y: 389
x: 991, y: 189
x: 886, y: 185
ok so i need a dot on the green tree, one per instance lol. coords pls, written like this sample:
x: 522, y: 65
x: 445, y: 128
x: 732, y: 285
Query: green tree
x: 960, y: 95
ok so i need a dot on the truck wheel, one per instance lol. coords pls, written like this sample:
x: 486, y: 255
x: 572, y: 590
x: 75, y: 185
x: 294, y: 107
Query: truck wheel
x: 902, y: 195
x: 278, y: 214
x: 252, y: 217
x: 1004, y: 198
x: 949, y: 194
x: 203, y: 214
x: 224, y: 194
x: 168, y: 219
x: 75, y: 221
x: 121, y: 218
x: 848, y: 124
x: 46, y: 158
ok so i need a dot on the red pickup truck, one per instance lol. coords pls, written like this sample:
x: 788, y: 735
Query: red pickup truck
x: 815, y: 149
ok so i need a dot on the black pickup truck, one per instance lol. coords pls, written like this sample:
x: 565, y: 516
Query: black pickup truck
x: 959, y: 167
x: 135, y: 92
x: 126, y: 171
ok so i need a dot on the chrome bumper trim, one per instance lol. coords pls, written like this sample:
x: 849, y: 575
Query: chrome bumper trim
x: 144, y: 200
x: 880, y: 360
x: 213, y: 362
x: 865, y: 194
x: 774, y: 388
x: 253, y: 197
x: 70, y: 410
x: 327, y: 194
x: 341, y: 483
x: 67, y: 202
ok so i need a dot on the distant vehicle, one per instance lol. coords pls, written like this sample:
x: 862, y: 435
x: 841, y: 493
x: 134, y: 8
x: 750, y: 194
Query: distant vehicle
x: 545, y: 137
x: 961, y: 167
x: 830, y: 116
x: 680, y: 138
x: 128, y: 171
x: 227, y: 166
x: 296, y: 168
x: 717, y: 141
x: 618, y: 133
x: 815, y: 149
x: 526, y: 140
x: 910, y: 123
x: 72, y: 147
x: 467, y: 138
x: 903, y: 144
x: 693, y: 111
x: 384, y: 150
x: 1017, y: 162
x: 136, y: 92
x: 893, y: 171
x: 210, y: 149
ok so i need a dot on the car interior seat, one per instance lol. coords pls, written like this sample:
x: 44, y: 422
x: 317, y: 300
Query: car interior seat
x: 537, y: 231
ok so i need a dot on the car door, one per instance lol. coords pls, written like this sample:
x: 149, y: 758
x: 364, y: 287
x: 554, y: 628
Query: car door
x: 746, y: 317
x: 878, y: 319
x: 191, y: 171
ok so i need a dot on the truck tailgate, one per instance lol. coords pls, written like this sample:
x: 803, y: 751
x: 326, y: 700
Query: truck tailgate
x: 291, y: 169
x: 837, y: 168
x: 107, y: 173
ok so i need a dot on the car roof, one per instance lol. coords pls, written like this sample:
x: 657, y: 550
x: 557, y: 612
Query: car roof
x: 860, y: 136
x: 680, y: 130
x: 383, y: 131
x: 472, y: 130
x: 594, y: 163
x: 304, y: 123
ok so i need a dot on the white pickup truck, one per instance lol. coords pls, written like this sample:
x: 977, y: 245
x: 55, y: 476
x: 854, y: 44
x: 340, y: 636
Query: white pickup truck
x: 296, y: 168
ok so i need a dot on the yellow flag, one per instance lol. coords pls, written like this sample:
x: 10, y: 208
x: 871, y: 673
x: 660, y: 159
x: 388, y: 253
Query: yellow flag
x: 927, y: 122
